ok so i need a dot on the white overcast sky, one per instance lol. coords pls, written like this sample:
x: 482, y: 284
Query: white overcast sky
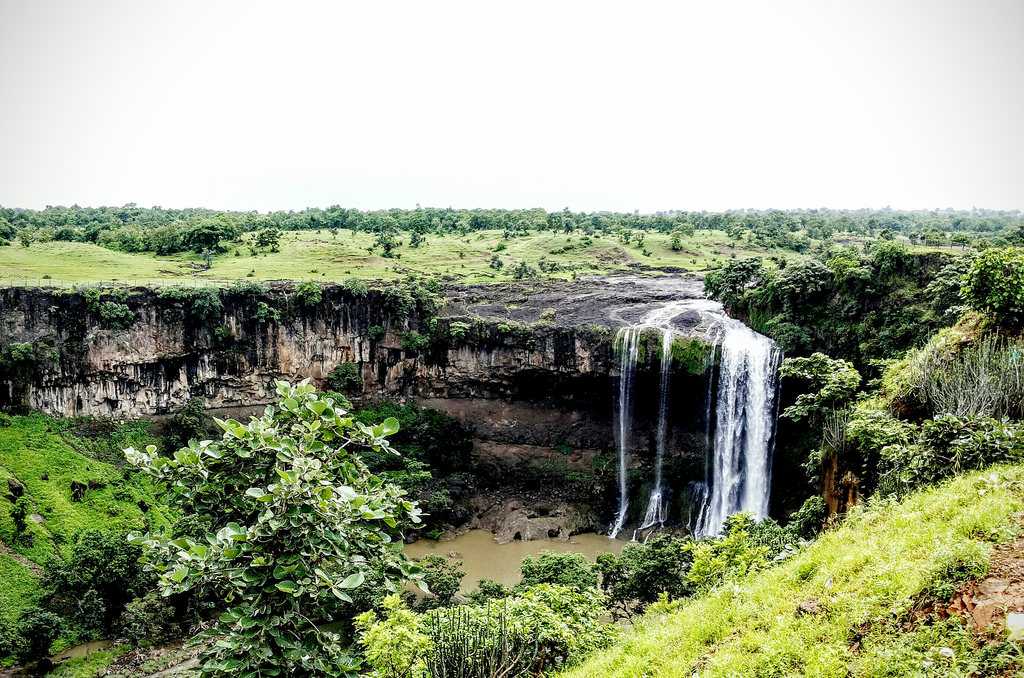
x: 590, y: 105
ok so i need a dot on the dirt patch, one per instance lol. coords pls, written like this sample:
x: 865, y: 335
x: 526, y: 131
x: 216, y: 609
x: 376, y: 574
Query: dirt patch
x: 985, y: 603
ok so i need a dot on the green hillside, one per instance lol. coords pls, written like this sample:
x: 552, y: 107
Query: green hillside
x: 57, y: 481
x: 841, y: 606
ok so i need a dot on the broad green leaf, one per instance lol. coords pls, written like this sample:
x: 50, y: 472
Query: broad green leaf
x: 288, y: 586
x: 353, y: 580
x: 390, y: 426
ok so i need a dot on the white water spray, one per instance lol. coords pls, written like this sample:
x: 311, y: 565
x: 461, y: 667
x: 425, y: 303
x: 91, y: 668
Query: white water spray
x: 628, y: 341
x: 740, y: 468
x: 656, y: 505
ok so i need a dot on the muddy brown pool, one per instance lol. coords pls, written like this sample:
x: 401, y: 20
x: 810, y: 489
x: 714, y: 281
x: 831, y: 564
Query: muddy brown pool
x: 483, y: 558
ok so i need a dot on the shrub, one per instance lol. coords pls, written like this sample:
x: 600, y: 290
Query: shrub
x: 443, y: 577
x: 148, y: 621
x: 834, y: 382
x: 414, y: 341
x: 38, y: 629
x: 299, y: 523
x: 634, y: 579
x: 355, y: 287
x: 100, y: 575
x: 110, y: 308
x: 395, y: 644
x: 345, y: 378
x: 198, y: 303
x: 308, y: 294
x: 265, y: 313
x: 733, y: 555
x: 188, y: 423
x: 565, y: 569
x: 376, y: 333
x: 995, y: 284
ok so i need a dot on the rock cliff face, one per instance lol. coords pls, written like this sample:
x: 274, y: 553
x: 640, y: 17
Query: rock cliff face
x: 483, y: 345
x: 528, y: 367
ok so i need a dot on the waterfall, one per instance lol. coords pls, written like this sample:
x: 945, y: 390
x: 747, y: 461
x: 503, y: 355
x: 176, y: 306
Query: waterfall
x: 628, y: 340
x: 656, y: 504
x: 740, y: 468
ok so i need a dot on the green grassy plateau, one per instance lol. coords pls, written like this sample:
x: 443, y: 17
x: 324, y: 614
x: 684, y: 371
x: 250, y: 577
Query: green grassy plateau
x: 311, y: 255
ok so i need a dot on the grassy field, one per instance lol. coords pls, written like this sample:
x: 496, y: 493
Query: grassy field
x: 863, y: 578
x: 310, y: 255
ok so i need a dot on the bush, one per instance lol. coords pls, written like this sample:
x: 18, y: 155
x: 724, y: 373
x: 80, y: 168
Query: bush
x: 355, y: 287
x: 443, y: 577
x: 946, y: 446
x: 308, y: 294
x: 37, y: 629
x: 728, y: 557
x: 189, y: 423
x: 148, y: 621
x: 565, y: 569
x: 414, y: 342
x: 995, y: 285
x: 110, y: 308
x: 201, y: 304
x: 345, y: 378
x: 635, y: 578
x: 539, y: 629
x: 100, y: 576
x: 300, y: 523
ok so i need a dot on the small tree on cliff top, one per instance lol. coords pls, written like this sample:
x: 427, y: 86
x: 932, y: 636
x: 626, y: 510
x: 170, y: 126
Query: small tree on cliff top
x: 296, y: 521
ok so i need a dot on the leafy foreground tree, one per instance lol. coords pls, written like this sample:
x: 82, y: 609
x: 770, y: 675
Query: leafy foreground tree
x: 296, y: 522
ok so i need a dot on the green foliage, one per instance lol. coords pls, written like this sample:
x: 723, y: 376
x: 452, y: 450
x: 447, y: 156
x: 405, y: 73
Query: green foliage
x: 345, y: 378
x: 864, y: 578
x: 394, y: 645
x: 949, y: 445
x: 265, y: 313
x: 308, y: 294
x: 834, y: 382
x: 376, y: 333
x: 995, y: 285
x: 189, y: 423
x: 201, y: 304
x: 38, y: 628
x: 552, y: 626
x: 148, y: 620
x: 355, y: 287
x: 635, y: 578
x: 297, y: 522
x: 808, y: 520
x: 464, y: 646
x: 443, y: 577
x: 414, y: 341
x: 109, y: 307
x: 564, y: 569
x: 732, y: 556
x: 98, y: 578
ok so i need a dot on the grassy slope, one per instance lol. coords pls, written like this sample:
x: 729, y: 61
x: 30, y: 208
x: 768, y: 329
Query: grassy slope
x: 864, y: 575
x: 311, y: 255
x: 42, y: 456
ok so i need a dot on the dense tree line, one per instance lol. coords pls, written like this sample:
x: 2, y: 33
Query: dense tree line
x: 166, y: 231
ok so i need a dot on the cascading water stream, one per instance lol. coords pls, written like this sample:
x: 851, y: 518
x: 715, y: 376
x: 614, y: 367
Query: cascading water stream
x: 656, y: 504
x: 740, y: 469
x: 628, y: 340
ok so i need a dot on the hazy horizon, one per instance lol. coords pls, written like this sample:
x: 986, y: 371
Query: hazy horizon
x: 594, y: 106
